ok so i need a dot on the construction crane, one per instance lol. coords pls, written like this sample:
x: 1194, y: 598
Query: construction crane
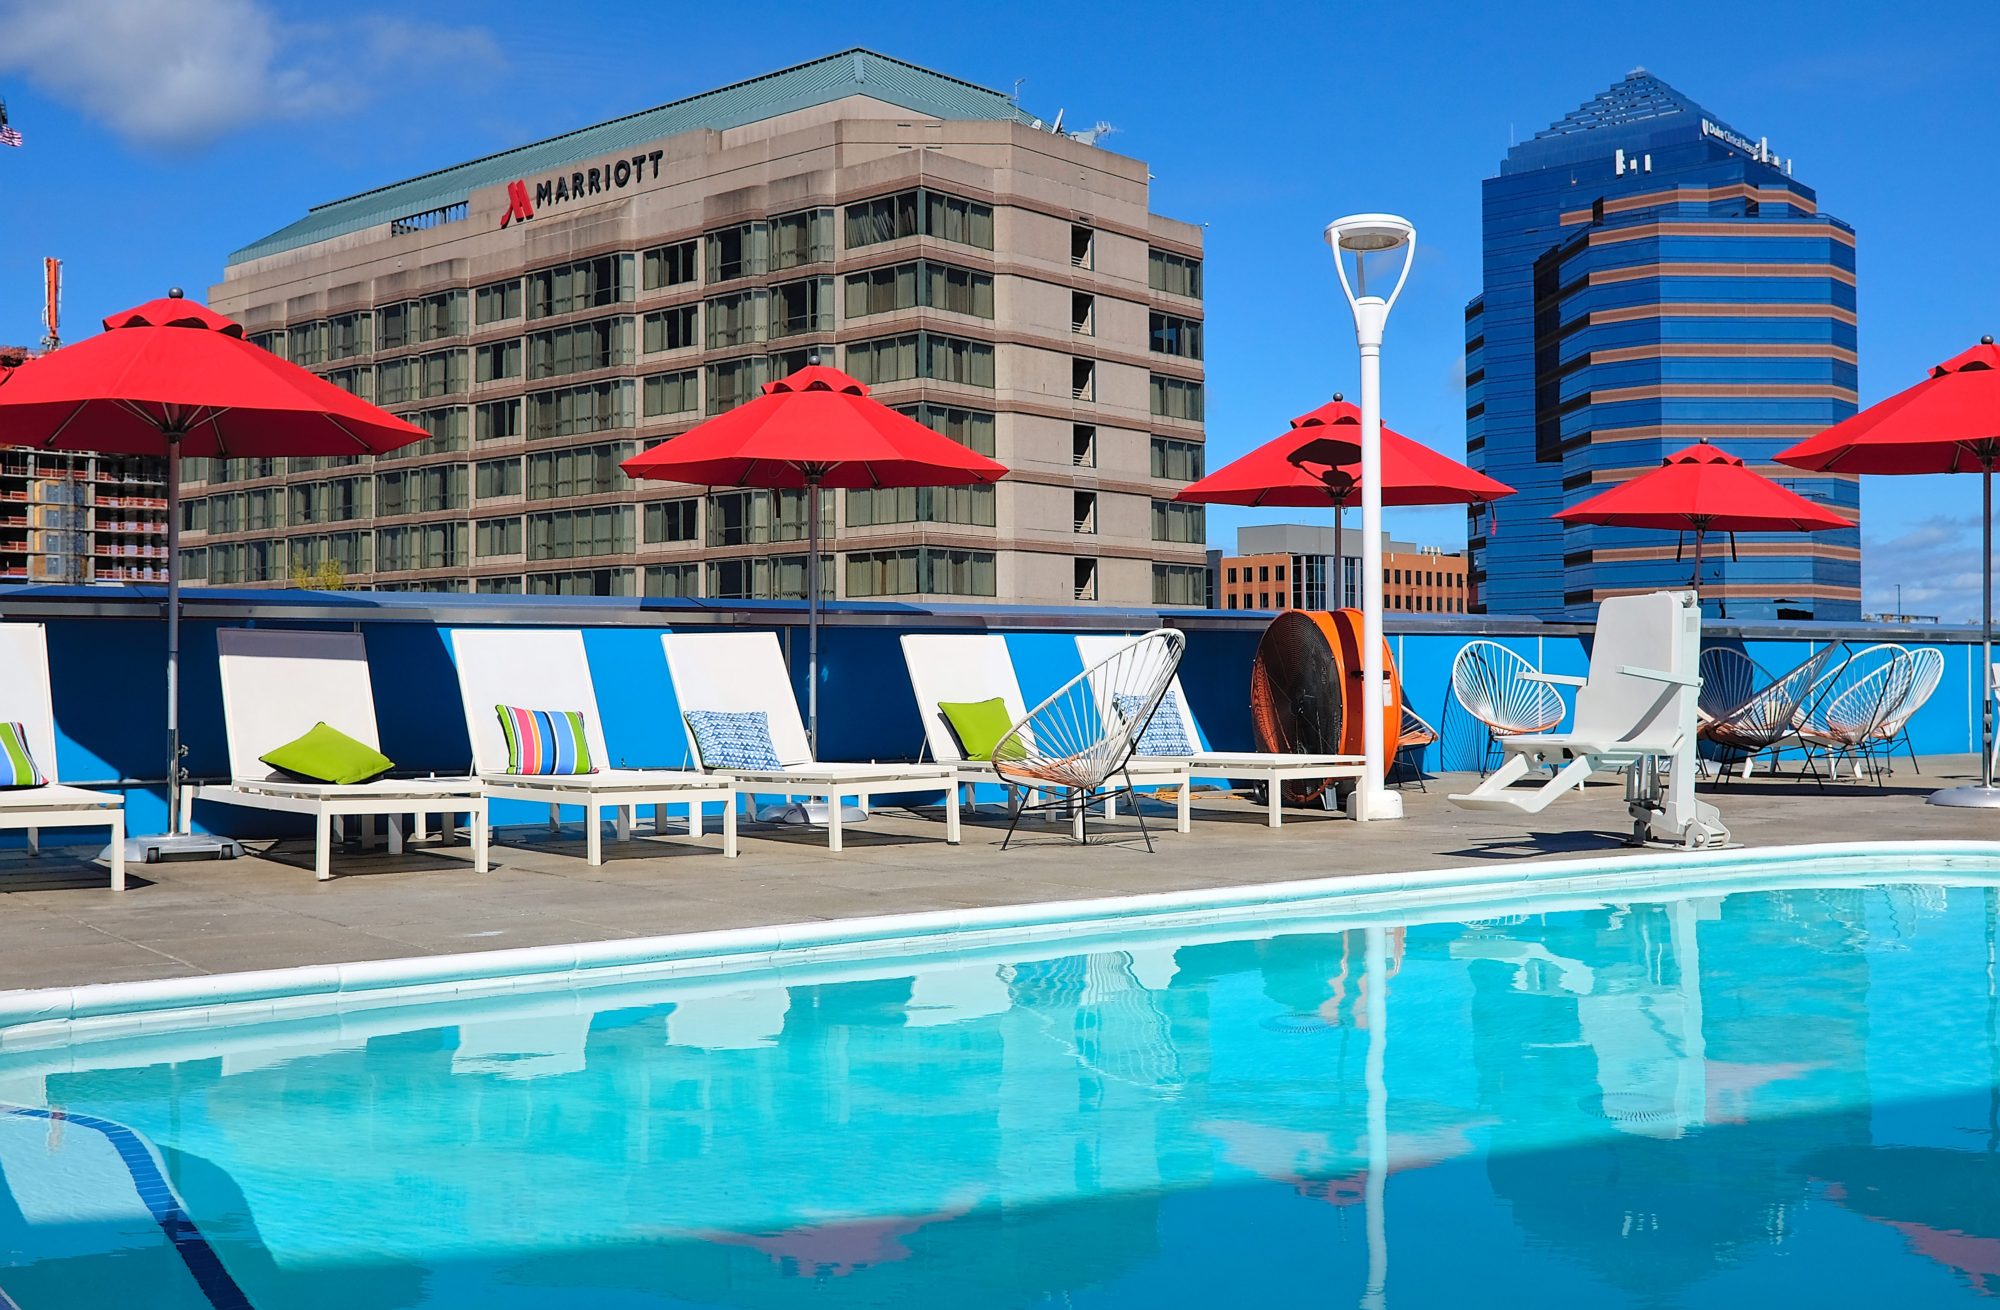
x: 51, y: 303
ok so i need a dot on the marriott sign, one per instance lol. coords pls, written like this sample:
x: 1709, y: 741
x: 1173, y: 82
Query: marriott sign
x: 562, y: 188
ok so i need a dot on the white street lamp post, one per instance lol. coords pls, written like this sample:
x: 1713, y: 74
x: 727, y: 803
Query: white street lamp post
x: 1384, y: 237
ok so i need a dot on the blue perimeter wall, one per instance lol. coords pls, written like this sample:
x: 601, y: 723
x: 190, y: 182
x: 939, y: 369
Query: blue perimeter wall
x: 107, y: 653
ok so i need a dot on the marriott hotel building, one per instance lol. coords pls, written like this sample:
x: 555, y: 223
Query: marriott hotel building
x: 546, y: 312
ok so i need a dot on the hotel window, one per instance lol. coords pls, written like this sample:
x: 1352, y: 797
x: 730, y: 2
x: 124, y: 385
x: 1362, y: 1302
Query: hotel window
x: 740, y: 251
x: 770, y: 577
x: 578, y: 471
x: 346, y: 551
x: 919, y: 282
x: 1263, y: 573
x: 421, y: 377
x: 958, y: 290
x: 347, y: 335
x: 971, y: 428
x: 447, y: 428
x: 305, y: 343
x: 493, y: 478
x: 733, y: 381
x: 358, y: 380
x: 497, y: 361
x: 1083, y: 445
x: 335, y: 501
x: 670, y: 266
x: 673, y: 580
x: 580, y: 533
x: 420, y: 546
x: 497, y: 303
x: 670, y: 393
x: 1084, y: 575
x: 581, y: 582
x: 1232, y: 573
x: 1082, y: 247
x: 1083, y: 513
x: 872, y: 507
x: 927, y: 569
x: 1232, y: 602
x: 802, y: 238
x: 1083, y: 379
x: 1173, y: 521
x: 922, y: 354
x: 498, y: 420
x: 1173, y: 335
x: 1082, y: 314
x: 579, y: 348
x: 1176, y: 460
x: 194, y: 515
x: 739, y: 320
x: 671, y: 520
x: 1180, y: 584
x: 905, y: 214
x: 496, y: 537
x: 1176, y: 398
x: 753, y: 518
x: 270, y: 342
x: 245, y: 561
x: 194, y: 564
x: 804, y: 306
x: 579, y: 411
x: 1176, y: 275
x: 567, y: 288
x: 671, y: 329
x: 419, y: 491
x: 508, y: 585
x: 417, y: 322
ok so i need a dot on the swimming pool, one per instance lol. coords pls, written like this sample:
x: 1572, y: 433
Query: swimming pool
x: 1664, y: 1096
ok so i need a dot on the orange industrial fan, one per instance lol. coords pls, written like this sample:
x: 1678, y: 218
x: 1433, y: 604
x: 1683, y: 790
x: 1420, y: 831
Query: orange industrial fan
x: 1303, y: 684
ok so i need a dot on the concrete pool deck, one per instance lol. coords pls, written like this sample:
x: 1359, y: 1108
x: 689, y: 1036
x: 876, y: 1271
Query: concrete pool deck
x: 60, y: 925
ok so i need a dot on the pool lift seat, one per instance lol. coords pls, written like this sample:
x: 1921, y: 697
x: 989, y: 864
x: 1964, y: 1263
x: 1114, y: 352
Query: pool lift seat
x: 1632, y: 715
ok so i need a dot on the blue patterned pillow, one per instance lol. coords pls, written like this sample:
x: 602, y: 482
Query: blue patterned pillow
x: 734, y: 739
x: 1165, y: 736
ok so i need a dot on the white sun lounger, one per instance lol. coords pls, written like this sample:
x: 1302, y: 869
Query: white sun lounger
x: 25, y: 699
x: 547, y: 669
x: 1635, y: 713
x: 952, y: 668
x: 739, y: 671
x: 1273, y: 770
x: 276, y: 685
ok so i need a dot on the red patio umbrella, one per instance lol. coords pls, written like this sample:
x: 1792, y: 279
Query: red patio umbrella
x: 1703, y: 489
x: 1317, y: 462
x: 173, y: 378
x: 1947, y: 423
x: 817, y: 428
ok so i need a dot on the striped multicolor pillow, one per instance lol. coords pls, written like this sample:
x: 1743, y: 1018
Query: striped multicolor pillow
x: 545, y: 741
x: 17, y: 766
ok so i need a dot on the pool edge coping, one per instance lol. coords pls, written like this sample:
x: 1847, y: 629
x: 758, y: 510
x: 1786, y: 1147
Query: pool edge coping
x: 31, y: 1016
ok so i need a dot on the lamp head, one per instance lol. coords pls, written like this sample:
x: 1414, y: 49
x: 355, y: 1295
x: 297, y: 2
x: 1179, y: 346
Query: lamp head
x: 1381, y: 247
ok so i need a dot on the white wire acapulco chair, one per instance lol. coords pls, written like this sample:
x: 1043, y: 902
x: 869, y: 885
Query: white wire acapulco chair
x: 1926, y: 671
x: 1499, y: 688
x: 1843, y: 716
x: 1743, y: 719
x: 1070, y: 749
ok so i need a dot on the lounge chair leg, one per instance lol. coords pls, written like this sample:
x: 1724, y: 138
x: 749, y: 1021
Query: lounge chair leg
x: 555, y: 819
x: 593, y: 834
x: 118, y: 850
x: 187, y: 807
x: 322, y: 855
x: 728, y: 825
x: 34, y: 841
x: 622, y: 822
x: 395, y: 822
x: 1184, y: 820
x: 833, y: 823
x: 448, y: 827
x: 420, y: 826
x: 951, y: 821
x: 481, y: 837
x: 1274, y: 791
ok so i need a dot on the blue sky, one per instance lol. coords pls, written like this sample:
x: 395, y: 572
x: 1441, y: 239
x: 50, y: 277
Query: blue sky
x: 164, y: 133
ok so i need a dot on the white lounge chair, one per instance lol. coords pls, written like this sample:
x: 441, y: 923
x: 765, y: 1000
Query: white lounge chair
x: 547, y: 669
x: 1273, y: 770
x: 745, y: 671
x: 25, y: 699
x: 955, y: 668
x: 276, y: 685
x: 1635, y: 713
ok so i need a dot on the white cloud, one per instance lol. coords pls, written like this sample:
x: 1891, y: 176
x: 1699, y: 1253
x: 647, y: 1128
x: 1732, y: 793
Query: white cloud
x: 180, y: 74
x: 1937, y: 563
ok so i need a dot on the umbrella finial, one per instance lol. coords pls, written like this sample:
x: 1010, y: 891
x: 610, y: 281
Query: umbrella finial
x: 1337, y: 397
x: 175, y: 293
x: 1986, y: 340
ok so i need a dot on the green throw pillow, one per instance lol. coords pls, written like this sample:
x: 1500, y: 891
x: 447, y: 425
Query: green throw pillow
x: 328, y: 755
x: 979, y: 726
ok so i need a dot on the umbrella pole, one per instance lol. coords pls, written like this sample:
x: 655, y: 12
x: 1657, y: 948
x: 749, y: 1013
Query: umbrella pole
x: 1339, y: 569
x: 173, y: 633
x: 812, y: 613
x: 1986, y: 627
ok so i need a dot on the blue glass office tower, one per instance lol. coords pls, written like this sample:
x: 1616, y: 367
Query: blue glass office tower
x: 1654, y: 277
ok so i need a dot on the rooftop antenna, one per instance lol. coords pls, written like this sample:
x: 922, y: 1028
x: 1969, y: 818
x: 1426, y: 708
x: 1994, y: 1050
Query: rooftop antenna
x: 1015, y: 99
x: 1090, y: 136
x: 1056, y: 130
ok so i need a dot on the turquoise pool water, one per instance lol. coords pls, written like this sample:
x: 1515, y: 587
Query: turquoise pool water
x: 1761, y: 1098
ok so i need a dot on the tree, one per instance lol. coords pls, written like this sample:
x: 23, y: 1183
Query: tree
x: 327, y: 575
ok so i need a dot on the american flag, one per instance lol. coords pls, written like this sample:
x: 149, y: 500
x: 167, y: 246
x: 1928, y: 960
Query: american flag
x: 10, y: 136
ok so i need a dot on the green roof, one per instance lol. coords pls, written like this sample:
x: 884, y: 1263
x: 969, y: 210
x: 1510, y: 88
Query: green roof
x: 851, y: 72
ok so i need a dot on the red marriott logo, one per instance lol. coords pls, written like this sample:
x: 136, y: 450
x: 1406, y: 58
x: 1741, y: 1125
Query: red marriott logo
x: 518, y: 205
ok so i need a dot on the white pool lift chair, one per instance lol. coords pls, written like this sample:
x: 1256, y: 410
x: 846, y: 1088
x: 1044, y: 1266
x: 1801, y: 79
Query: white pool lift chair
x: 1634, y: 713
x: 548, y: 669
x: 1272, y: 770
x: 745, y: 671
x: 25, y: 699
x: 276, y: 684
